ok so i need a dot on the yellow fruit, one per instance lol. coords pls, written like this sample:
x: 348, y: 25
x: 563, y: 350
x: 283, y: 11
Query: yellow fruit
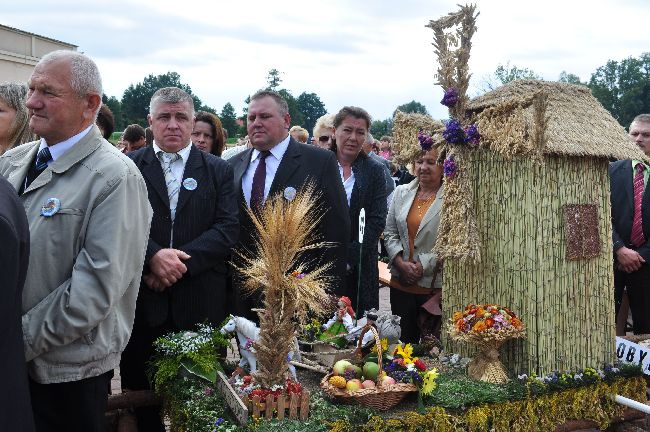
x: 338, y: 381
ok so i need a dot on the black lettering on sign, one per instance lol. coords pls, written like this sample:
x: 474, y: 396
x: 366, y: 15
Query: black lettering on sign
x: 620, y: 350
x: 642, y: 355
x: 630, y: 354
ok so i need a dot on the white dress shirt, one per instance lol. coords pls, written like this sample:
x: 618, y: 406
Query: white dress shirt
x: 59, y: 149
x: 348, y: 184
x: 272, y: 163
x: 178, y: 167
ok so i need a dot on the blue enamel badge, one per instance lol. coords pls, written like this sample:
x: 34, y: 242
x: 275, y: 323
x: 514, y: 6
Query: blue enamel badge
x: 289, y: 193
x: 189, y: 183
x: 51, y: 207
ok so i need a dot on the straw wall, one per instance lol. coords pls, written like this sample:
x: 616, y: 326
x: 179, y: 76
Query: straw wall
x: 567, y: 306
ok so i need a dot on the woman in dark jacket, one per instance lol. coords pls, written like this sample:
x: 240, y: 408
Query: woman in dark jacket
x: 364, y: 184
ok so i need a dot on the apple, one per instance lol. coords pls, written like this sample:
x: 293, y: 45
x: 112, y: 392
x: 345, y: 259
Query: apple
x: 387, y: 380
x: 370, y: 370
x: 353, y: 385
x: 340, y: 367
x: 368, y: 384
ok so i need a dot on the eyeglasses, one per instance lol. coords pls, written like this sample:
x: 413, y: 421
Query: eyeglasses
x: 324, y: 138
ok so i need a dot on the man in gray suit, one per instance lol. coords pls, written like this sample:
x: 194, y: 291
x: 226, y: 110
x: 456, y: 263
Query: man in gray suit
x: 88, y: 215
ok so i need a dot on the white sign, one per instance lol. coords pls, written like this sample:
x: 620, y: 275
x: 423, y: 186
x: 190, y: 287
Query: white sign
x: 629, y: 352
x: 362, y: 224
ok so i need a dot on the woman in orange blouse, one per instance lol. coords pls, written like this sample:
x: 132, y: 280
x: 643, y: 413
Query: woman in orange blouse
x: 409, y: 236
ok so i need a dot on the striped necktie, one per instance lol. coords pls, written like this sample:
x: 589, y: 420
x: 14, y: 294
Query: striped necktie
x: 173, y: 184
x: 637, y: 238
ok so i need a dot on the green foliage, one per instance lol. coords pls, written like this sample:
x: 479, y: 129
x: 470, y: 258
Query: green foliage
x: 136, y: 98
x: 504, y: 74
x: 194, y: 352
x: 229, y: 119
x: 311, y: 108
x: 412, y: 107
x: 294, y: 110
x: 378, y: 128
x: 116, y: 108
x: 570, y: 78
x: 273, y: 79
x: 623, y: 88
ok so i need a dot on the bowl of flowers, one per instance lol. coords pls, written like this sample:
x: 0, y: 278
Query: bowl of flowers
x: 380, y: 382
x: 488, y: 327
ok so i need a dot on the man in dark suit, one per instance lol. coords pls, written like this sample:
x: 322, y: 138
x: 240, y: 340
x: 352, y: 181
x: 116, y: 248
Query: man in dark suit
x: 631, y: 227
x: 16, y: 412
x: 277, y: 164
x: 193, y: 229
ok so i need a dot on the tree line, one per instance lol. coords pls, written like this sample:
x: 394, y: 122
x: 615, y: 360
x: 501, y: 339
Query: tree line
x: 622, y: 87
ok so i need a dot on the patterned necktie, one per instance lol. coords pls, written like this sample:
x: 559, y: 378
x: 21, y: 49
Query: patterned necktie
x: 637, y: 238
x: 259, y: 178
x: 42, y: 158
x: 173, y: 184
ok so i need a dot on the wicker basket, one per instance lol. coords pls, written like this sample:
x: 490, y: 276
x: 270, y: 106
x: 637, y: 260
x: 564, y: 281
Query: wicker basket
x: 382, y: 397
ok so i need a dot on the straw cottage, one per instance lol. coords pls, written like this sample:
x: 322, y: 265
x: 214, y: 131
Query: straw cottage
x: 542, y: 225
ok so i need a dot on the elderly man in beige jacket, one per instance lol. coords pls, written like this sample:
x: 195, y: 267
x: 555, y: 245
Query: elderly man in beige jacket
x: 89, y: 216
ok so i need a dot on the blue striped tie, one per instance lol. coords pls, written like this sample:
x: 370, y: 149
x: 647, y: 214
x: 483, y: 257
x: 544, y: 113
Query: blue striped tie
x: 173, y: 184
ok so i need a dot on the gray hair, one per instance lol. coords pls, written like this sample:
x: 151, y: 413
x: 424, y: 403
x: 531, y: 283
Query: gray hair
x: 170, y: 95
x: 277, y: 97
x: 85, y: 74
x: 641, y: 118
x: 14, y: 95
x: 369, y: 138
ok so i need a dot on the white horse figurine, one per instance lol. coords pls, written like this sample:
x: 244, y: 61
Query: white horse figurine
x: 248, y: 333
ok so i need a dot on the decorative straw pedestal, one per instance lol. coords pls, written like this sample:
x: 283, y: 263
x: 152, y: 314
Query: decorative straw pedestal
x: 485, y: 365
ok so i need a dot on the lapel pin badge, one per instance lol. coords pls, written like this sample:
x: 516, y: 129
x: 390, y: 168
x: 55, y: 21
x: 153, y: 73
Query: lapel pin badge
x: 190, y: 184
x: 289, y: 193
x: 51, y: 207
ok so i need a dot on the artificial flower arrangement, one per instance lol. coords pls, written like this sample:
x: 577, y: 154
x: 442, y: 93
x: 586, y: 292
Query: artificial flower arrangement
x: 487, y: 326
x: 405, y: 368
x: 486, y: 322
x: 247, y: 387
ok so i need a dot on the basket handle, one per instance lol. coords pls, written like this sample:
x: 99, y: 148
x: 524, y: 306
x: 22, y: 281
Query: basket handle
x: 366, y: 329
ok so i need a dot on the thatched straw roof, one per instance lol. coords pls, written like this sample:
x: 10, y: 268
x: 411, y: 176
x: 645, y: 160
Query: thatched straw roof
x: 405, y: 134
x: 576, y: 124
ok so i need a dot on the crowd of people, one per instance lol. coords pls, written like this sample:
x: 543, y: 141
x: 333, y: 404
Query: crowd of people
x: 106, y: 248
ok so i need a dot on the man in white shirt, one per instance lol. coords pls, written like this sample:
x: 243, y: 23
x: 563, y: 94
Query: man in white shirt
x: 277, y: 164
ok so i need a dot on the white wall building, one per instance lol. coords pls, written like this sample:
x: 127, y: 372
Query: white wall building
x: 21, y: 50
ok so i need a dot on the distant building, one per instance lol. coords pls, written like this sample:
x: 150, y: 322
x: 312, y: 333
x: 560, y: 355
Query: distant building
x: 21, y: 50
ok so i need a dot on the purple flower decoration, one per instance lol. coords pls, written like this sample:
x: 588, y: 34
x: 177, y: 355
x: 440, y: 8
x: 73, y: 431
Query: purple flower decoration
x: 450, y: 168
x: 472, y: 136
x: 454, y: 133
x: 219, y: 422
x: 426, y: 142
x: 450, y: 98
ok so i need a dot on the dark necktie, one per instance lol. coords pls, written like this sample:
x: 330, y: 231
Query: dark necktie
x: 42, y: 158
x: 257, y: 190
x: 637, y: 238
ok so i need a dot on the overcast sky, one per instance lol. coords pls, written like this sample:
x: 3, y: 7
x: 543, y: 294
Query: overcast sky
x: 376, y: 54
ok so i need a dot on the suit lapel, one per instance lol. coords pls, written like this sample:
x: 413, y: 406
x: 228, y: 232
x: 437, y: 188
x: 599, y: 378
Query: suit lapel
x: 193, y: 169
x: 289, y: 163
x: 152, y: 171
x: 628, y: 182
x: 22, y: 159
x: 239, y: 168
